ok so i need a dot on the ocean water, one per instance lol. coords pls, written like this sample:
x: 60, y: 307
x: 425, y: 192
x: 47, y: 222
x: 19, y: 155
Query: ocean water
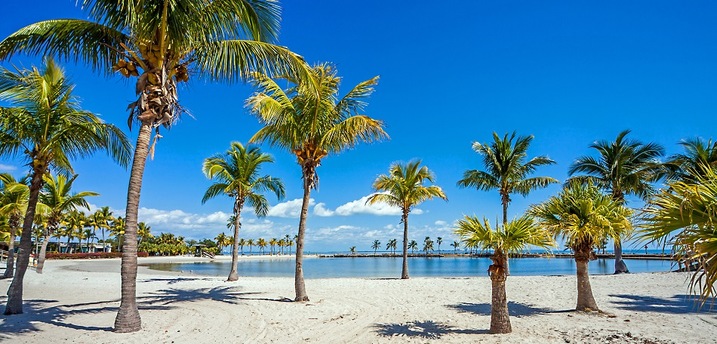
x: 390, y: 267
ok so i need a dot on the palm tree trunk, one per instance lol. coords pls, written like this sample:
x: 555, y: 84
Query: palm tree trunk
x: 586, y: 301
x: 620, y: 266
x: 14, y: 293
x: 499, y: 316
x: 43, y: 252
x: 128, y: 319
x: 404, y: 269
x: 299, y: 273
x: 233, y: 274
x: 505, y: 199
x: 10, y: 268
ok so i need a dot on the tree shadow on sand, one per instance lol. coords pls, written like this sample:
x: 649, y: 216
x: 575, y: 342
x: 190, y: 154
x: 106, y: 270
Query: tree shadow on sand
x: 514, y: 309
x: 420, y: 329
x: 677, y: 304
x: 228, y: 295
x: 176, y: 280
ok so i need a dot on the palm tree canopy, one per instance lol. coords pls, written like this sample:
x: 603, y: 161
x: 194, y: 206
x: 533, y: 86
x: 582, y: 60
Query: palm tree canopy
x: 313, y: 124
x: 684, y: 215
x: 583, y: 216
x: 699, y: 155
x: 404, y: 187
x: 623, y: 167
x: 46, y: 125
x: 57, y: 197
x: 237, y: 175
x: 515, y: 236
x: 506, y: 167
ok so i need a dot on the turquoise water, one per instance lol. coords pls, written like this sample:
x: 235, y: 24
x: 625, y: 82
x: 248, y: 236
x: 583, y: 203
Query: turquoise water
x: 388, y: 267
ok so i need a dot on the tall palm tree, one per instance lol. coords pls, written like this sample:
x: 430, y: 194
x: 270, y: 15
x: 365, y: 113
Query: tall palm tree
x: 312, y: 126
x: 623, y: 167
x: 582, y: 217
x: 683, y: 215
x: 47, y: 128
x: 101, y: 219
x: 74, y: 222
x: 439, y: 241
x: 57, y: 197
x: 403, y: 187
x: 13, y: 205
x: 262, y: 244
x: 691, y: 164
x: 159, y: 42
x: 375, y: 246
x: 236, y: 174
x: 514, y: 236
x: 506, y: 168
x: 250, y: 243
x: 272, y: 243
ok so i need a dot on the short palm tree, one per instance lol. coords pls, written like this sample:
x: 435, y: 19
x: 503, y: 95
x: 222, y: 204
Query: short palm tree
x: 57, y: 198
x: 623, y: 167
x: 262, y: 244
x: 506, y: 168
x: 159, y: 42
x: 47, y: 128
x: 144, y: 232
x: 413, y: 245
x: 427, y: 245
x: 13, y: 205
x: 352, y: 249
x: 312, y: 126
x: 222, y: 241
x: 684, y: 216
x: 101, y: 219
x: 236, y: 174
x: 272, y: 244
x: 403, y: 187
x: 375, y: 246
x: 583, y: 217
x: 690, y: 165
x: 439, y: 241
x: 392, y: 245
x: 455, y: 245
x: 514, y: 236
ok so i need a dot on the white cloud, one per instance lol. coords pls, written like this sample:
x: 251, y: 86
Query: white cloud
x: 440, y: 223
x: 288, y: 209
x: 359, y: 206
x: 321, y: 210
x: 8, y: 168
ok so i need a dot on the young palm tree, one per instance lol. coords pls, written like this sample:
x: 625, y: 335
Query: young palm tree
x: 403, y: 187
x: 427, y: 245
x: 691, y: 164
x: 413, y: 245
x: 684, y: 215
x: 375, y: 246
x: 353, y: 250
x: 13, y: 205
x: 583, y: 216
x: 506, y: 169
x: 312, y: 127
x: 392, y: 245
x: 158, y: 42
x: 439, y: 240
x: 47, y: 128
x: 513, y: 237
x: 623, y: 167
x: 57, y: 197
x: 236, y: 174
x: 222, y: 241
x: 455, y: 245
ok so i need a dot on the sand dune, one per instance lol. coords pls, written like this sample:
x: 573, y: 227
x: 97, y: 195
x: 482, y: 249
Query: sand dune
x: 76, y: 301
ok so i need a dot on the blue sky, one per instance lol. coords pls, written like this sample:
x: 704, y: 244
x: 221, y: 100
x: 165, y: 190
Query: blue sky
x: 567, y: 72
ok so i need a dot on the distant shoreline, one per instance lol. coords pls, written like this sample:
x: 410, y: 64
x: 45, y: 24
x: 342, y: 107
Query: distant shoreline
x: 487, y: 255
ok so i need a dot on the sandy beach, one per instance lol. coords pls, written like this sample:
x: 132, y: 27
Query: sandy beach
x: 76, y: 302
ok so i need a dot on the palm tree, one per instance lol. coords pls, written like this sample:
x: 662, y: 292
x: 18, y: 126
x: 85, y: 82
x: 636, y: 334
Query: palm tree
x: 683, y: 215
x: 75, y: 221
x: 262, y: 244
x: 250, y: 243
x: 623, y: 167
x: 375, y: 246
x: 242, y: 243
x: 222, y: 241
x: 439, y: 240
x: 455, y: 245
x: 159, y: 42
x: 47, y: 128
x: 513, y: 237
x: 117, y: 228
x: 427, y: 245
x: 57, y: 197
x: 413, y: 245
x: 236, y: 174
x: 691, y: 164
x: 273, y: 243
x: 281, y: 243
x: 392, y: 245
x: 507, y: 169
x: 582, y: 217
x: 353, y: 250
x: 403, y: 187
x: 144, y: 233
x: 312, y: 126
x: 101, y: 219
x: 13, y: 205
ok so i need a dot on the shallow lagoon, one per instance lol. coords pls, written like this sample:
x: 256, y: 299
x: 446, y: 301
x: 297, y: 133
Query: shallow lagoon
x: 390, y: 267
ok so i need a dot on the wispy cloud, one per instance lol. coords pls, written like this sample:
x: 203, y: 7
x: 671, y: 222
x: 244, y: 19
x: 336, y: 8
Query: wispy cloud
x: 7, y: 168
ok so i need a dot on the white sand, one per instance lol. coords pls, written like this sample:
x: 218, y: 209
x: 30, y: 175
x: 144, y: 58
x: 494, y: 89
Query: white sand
x: 76, y: 302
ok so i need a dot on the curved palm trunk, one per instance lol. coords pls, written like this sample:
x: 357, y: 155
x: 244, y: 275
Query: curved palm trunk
x: 499, y: 316
x: 10, y: 268
x: 586, y: 301
x: 620, y: 266
x: 43, y: 252
x: 299, y: 273
x: 128, y: 319
x: 233, y: 274
x: 404, y: 269
x: 14, y: 293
